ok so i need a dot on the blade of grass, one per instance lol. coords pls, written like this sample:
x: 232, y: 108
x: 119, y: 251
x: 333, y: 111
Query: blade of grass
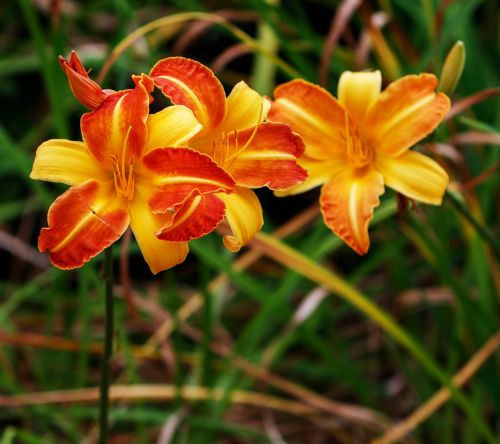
x: 48, y: 64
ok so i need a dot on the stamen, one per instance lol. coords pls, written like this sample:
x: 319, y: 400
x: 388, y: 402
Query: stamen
x: 359, y: 152
x: 123, y: 175
x: 252, y: 136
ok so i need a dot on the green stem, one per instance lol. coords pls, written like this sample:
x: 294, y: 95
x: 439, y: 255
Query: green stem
x: 108, y: 347
x: 301, y: 264
x: 481, y: 230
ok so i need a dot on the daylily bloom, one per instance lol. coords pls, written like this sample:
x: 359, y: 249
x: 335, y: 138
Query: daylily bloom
x: 88, y: 92
x: 358, y: 143
x: 126, y: 171
x: 254, y: 153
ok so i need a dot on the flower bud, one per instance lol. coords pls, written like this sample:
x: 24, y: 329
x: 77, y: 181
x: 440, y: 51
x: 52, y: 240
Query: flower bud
x: 452, y: 68
x: 88, y: 92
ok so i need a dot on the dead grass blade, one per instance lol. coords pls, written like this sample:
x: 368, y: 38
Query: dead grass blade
x: 339, y: 24
x: 463, y: 104
x: 475, y: 137
x: 427, y: 409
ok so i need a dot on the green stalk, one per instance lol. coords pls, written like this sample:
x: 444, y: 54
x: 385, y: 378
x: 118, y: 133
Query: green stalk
x: 50, y: 77
x: 487, y: 235
x: 264, y: 69
x: 301, y: 264
x: 429, y: 19
x: 108, y: 347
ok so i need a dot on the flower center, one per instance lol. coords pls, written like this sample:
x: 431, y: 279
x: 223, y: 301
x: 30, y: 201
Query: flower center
x: 123, y: 172
x: 123, y: 177
x: 359, y: 153
x: 222, y: 151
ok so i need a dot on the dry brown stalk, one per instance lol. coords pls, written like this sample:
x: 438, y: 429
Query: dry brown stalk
x: 339, y: 24
x: 157, y: 393
x: 469, y: 101
x: 354, y: 413
x: 428, y: 408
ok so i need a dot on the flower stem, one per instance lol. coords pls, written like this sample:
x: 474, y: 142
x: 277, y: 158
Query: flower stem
x: 108, y: 346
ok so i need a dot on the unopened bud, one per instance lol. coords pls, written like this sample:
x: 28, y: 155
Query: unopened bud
x: 452, y: 68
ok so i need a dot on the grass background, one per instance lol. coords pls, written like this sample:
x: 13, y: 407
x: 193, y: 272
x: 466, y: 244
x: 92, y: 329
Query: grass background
x: 268, y: 356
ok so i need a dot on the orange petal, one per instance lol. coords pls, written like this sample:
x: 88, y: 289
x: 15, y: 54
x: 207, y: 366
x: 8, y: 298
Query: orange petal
x: 319, y: 172
x: 244, y: 216
x: 118, y: 127
x: 187, y: 82
x: 405, y: 112
x: 82, y: 222
x: 347, y: 204
x: 269, y: 159
x: 88, y: 92
x: 357, y: 91
x: 172, y: 126
x: 414, y: 175
x: 59, y: 160
x: 180, y: 173
x: 245, y: 108
x: 313, y: 113
x: 158, y: 254
x: 198, y: 216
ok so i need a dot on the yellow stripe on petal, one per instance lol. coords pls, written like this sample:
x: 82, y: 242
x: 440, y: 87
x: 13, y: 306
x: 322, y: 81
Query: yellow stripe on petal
x: 244, y: 215
x: 68, y: 162
x: 357, y: 91
x: 245, y: 108
x: 175, y: 174
x: 314, y: 114
x: 117, y: 129
x: 187, y: 82
x: 266, y: 156
x: 347, y: 204
x: 82, y: 222
x: 159, y: 254
x: 197, y: 217
x: 414, y: 175
x: 406, y: 111
x: 173, y: 126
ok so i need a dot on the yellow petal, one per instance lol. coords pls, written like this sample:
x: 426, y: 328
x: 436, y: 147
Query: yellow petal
x: 414, y: 175
x: 319, y: 172
x: 244, y: 215
x: 172, y: 126
x: 357, y: 91
x: 60, y: 160
x: 245, y: 108
x: 159, y: 254
x: 347, y: 204
x: 406, y: 111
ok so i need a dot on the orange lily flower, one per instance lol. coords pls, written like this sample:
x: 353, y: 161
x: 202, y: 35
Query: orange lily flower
x: 254, y: 153
x: 126, y: 172
x: 358, y: 143
x: 88, y: 92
